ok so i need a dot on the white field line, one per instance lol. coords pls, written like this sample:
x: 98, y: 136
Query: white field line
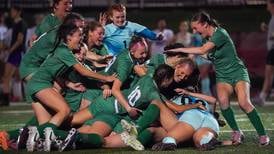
x: 17, y: 112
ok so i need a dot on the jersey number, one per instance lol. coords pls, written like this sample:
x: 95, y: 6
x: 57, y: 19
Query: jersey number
x: 134, y: 96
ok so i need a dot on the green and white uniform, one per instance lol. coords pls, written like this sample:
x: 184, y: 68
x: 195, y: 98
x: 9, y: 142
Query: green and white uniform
x: 155, y: 61
x: 139, y: 96
x: 100, y: 50
x: 37, y: 53
x: 49, y: 22
x: 229, y: 68
x: 53, y: 67
x: 122, y: 65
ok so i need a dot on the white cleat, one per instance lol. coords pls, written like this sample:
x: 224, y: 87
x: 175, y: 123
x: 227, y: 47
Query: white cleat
x: 49, y: 138
x: 32, y: 138
x: 131, y: 128
x: 131, y: 140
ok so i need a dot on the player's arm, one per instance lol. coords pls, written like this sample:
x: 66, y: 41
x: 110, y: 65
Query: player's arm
x: 18, y: 42
x: 206, y: 48
x: 85, y: 72
x: 209, y: 99
x: 181, y: 108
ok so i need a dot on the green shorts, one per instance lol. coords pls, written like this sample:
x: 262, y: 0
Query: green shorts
x: 92, y: 94
x: 26, y: 70
x: 233, y: 78
x: 109, y: 119
x: 73, y: 98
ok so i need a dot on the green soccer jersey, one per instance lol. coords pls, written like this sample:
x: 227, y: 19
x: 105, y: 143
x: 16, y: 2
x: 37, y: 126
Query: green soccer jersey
x: 139, y: 96
x: 100, y: 50
x: 37, y: 54
x: 155, y: 61
x: 122, y: 65
x: 53, y: 67
x: 224, y: 57
x: 49, y: 22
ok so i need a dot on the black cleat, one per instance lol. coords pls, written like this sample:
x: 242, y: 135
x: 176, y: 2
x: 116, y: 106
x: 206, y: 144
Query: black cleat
x: 164, y: 147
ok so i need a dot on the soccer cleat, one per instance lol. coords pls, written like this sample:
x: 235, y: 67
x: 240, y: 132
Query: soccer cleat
x: 131, y: 128
x: 69, y: 141
x: 264, y: 140
x: 164, y: 146
x: 22, y: 138
x: 39, y: 145
x: 210, y: 145
x: 131, y: 140
x: 32, y: 138
x: 237, y: 137
x: 4, y: 141
x: 49, y: 138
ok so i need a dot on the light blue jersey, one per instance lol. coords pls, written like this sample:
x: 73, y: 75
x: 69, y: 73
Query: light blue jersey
x: 117, y: 38
x: 197, y: 118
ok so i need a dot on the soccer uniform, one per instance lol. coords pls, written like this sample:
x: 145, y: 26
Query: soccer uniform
x: 139, y: 96
x: 155, y: 61
x: 37, y: 53
x: 229, y: 68
x: 53, y: 67
x: 100, y: 50
x: 197, y: 118
x: 117, y: 39
x: 49, y: 22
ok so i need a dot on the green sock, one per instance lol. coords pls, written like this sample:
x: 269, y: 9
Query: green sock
x: 230, y: 118
x: 145, y: 137
x: 149, y: 116
x: 256, y: 122
x: 61, y: 134
x: 13, y: 134
x: 89, y: 140
x: 45, y: 125
x: 32, y: 122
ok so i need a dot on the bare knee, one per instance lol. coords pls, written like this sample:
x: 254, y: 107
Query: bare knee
x: 224, y: 102
x: 246, y: 106
x: 64, y: 111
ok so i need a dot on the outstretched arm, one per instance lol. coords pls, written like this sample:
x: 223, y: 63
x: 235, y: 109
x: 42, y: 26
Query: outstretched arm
x: 209, y: 99
x: 196, y: 50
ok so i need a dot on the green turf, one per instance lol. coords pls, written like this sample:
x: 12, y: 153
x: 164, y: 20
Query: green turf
x: 15, y: 116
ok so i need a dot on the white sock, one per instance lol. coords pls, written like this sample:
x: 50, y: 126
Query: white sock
x: 169, y: 140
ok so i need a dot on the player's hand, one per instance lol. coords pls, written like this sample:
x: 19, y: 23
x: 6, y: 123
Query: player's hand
x: 106, y: 93
x: 111, y: 78
x: 99, y: 65
x: 76, y: 86
x: 181, y: 91
x: 103, y: 18
x: 105, y: 59
x: 134, y: 112
x: 160, y: 37
x: 140, y: 70
x: 200, y: 106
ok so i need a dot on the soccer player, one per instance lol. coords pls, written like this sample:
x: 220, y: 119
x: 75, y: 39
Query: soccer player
x: 60, y: 10
x: 197, y: 122
x: 40, y: 86
x: 43, y: 47
x: 119, y: 33
x: 231, y: 74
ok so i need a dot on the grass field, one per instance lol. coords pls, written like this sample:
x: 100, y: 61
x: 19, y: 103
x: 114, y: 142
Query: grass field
x: 15, y: 116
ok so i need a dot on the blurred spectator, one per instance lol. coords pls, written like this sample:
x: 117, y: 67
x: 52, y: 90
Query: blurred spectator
x: 16, y: 50
x: 158, y: 46
x: 31, y: 31
x: 3, y: 30
x: 184, y: 36
x: 269, y: 67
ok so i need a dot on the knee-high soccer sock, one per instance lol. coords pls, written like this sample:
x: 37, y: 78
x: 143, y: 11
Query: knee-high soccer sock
x: 89, y: 140
x: 149, y: 116
x: 256, y: 122
x: 145, y: 137
x: 230, y: 118
x: 13, y: 134
x: 32, y: 122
